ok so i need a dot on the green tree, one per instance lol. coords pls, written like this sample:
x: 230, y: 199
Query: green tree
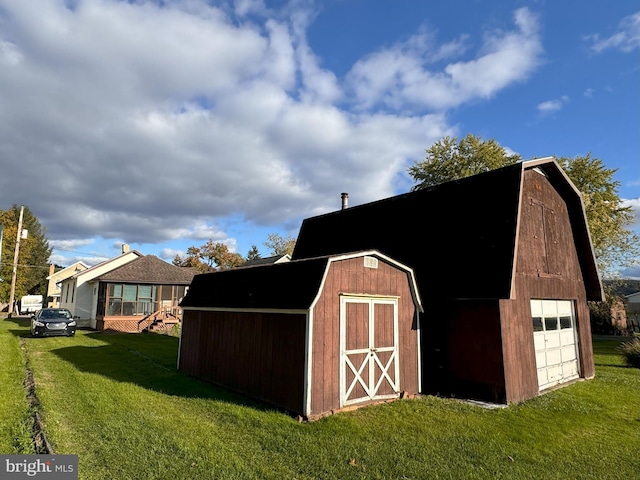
x: 614, y: 243
x: 280, y: 245
x: 253, y: 254
x: 33, y: 259
x: 450, y: 159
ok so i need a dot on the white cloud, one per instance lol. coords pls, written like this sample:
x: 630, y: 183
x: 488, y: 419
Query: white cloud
x: 632, y: 273
x: 399, y: 78
x: 634, y: 203
x: 551, y: 106
x: 169, y: 254
x: 625, y: 39
x: 589, y: 92
x: 155, y: 123
x: 71, y: 244
x: 67, y: 260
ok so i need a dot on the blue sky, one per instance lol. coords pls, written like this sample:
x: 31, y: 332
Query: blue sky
x: 166, y: 124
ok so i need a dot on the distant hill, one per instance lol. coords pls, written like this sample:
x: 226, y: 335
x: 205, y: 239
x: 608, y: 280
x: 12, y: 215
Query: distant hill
x: 622, y: 287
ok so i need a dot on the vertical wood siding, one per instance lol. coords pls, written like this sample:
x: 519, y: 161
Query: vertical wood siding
x: 547, y: 267
x: 258, y: 354
x: 462, y: 350
x: 350, y: 276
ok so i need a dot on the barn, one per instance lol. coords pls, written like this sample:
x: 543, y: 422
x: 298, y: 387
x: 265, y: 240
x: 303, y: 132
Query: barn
x: 312, y: 336
x: 505, y: 267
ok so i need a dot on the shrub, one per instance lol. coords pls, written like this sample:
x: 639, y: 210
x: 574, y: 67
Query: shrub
x: 174, y: 331
x: 631, y: 352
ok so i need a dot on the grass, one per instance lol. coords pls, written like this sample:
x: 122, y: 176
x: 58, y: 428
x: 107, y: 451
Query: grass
x: 117, y: 401
x: 15, y: 415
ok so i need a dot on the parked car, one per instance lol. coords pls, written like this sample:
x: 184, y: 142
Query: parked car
x: 50, y: 322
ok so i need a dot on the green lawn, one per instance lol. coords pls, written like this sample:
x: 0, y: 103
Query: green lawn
x: 117, y: 402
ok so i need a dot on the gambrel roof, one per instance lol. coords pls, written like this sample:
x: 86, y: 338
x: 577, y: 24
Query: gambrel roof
x: 459, y: 237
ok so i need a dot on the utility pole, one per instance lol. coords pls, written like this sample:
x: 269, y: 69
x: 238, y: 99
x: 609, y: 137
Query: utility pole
x: 15, y: 263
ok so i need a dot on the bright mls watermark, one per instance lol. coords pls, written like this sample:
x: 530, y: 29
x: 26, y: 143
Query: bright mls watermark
x: 52, y: 467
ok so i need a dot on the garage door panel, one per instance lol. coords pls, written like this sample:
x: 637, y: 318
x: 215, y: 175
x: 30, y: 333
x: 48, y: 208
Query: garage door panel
x: 542, y: 376
x: 553, y: 357
x: 554, y: 373
x: 571, y: 370
x: 567, y: 337
x: 538, y: 342
x: 564, y: 308
x: 541, y: 359
x: 568, y: 353
x: 552, y: 340
x: 550, y: 308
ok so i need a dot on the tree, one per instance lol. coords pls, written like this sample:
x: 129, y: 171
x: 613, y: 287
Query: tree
x: 218, y: 256
x: 280, y: 245
x: 614, y: 243
x: 33, y: 259
x: 191, y: 260
x: 209, y: 257
x: 448, y: 159
x: 253, y: 254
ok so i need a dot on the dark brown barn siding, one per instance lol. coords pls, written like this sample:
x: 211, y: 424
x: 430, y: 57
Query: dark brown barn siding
x: 257, y: 354
x: 462, y: 350
x: 351, y: 277
x: 547, y: 268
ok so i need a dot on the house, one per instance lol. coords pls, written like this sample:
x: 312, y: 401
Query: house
x: 79, y: 292
x: 54, y: 287
x: 140, y: 295
x: 505, y: 266
x: 311, y: 336
x: 633, y: 312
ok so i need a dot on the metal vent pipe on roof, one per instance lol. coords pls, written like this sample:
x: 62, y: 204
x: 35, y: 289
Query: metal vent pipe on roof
x: 345, y: 200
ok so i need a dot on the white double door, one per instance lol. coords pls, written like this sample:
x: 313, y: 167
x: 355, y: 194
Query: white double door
x: 369, y: 364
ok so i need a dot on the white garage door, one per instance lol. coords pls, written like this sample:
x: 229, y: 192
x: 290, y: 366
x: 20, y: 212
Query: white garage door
x: 555, y: 339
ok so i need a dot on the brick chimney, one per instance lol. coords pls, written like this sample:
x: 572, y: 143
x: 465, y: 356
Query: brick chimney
x: 125, y: 248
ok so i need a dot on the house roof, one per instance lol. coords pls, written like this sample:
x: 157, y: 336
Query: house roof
x: 633, y: 297
x: 287, y: 285
x: 459, y: 236
x: 267, y: 260
x: 69, y: 271
x: 149, y: 269
x: 92, y: 272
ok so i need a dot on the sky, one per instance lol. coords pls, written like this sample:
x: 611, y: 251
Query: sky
x: 163, y: 124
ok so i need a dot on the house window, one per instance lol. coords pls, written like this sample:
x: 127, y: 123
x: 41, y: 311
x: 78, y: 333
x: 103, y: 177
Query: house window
x: 131, y: 299
x: 114, y: 300
x: 145, y: 299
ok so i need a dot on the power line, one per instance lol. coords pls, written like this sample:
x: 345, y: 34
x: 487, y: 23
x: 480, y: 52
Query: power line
x: 75, y: 251
x: 32, y: 266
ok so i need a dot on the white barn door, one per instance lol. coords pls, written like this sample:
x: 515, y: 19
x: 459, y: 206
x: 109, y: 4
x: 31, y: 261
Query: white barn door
x: 555, y: 340
x: 369, y: 368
